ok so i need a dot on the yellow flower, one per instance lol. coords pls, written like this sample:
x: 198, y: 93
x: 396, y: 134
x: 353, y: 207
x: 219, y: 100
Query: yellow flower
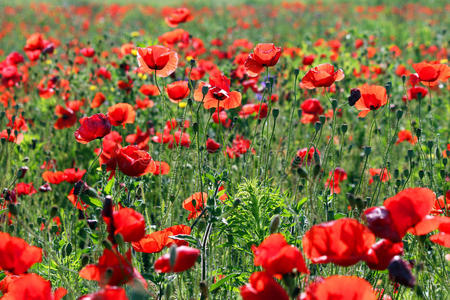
x: 48, y: 62
x: 134, y: 52
x: 135, y: 34
x: 182, y: 104
x: 93, y: 87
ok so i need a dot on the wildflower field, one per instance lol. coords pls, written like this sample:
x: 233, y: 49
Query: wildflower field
x: 256, y: 150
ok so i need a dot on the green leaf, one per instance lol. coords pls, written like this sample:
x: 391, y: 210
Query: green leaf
x: 186, y: 237
x: 109, y: 186
x: 222, y: 281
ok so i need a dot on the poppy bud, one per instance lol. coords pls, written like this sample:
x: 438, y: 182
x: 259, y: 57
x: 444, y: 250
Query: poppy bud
x: 344, y: 128
x: 205, y: 90
x: 195, y: 127
x: 400, y: 272
x: 296, y: 72
x: 92, y: 224
x: 316, y: 157
x: 351, y: 199
x: 334, y: 104
x: 388, y: 87
x: 322, y: 119
x: 45, y: 188
x: 2, y: 115
x: 399, y: 114
x: 173, y: 255
x: 192, y: 63
x: 275, y: 113
x: 274, y: 224
x: 22, y: 171
x: 410, y: 153
x: 80, y: 215
x: 107, y: 207
x: 317, y: 126
x: 444, y: 161
x: 53, y: 211
x: 302, y: 172
x: 107, y: 244
x: 355, y: 94
x: 421, y: 174
x: 367, y: 150
x: 316, y: 170
x: 190, y: 101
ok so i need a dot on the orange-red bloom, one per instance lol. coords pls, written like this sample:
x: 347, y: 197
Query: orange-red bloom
x: 343, y: 242
x: 195, y: 204
x: 157, y: 59
x: 406, y: 136
x: 134, y: 162
x: 372, y: 98
x: 262, y: 286
x: 185, y: 259
x: 178, y: 90
x: 277, y: 257
x: 218, y: 93
x: 121, y: 114
x: 179, y: 15
x: 323, y: 75
x: 112, y: 269
x: 94, y: 127
x: 400, y: 213
x: 158, y: 240
x: 340, y: 287
x: 264, y: 55
x: 16, y: 256
x: 32, y: 286
x: 129, y: 223
x: 431, y: 73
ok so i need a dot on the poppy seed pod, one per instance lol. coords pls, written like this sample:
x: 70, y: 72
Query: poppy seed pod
x: 400, y: 272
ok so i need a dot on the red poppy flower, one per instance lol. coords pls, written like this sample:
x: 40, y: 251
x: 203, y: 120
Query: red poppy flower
x: 277, y: 257
x: 129, y: 223
x: 323, y: 75
x: 108, y: 293
x: 87, y: 52
x: 185, y: 259
x: 162, y: 168
x: 23, y: 188
x: 413, y: 93
x: 264, y: 55
x: 98, y: 100
x: 218, y: 94
x: 428, y: 224
x: 32, y: 286
x: 179, y: 15
x: 443, y: 237
x: 134, y: 162
x: 377, y: 172
x: 104, y: 73
x: 195, y: 204
x: 158, y: 240
x: 178, y: 90
x: 343, y: 242
x: 54, y: 177
x: 67, y: 117
x: 340, y: 287
x: 308, y: 60
x: 305, y: 153
x: 335, y: 178
x: 406, y: 136
x: 442, y: 204
x: 262, y: 286
x: 112, y: 269
x: 149, y: 90
x: 212, y: 146
x: 73, y: 175
x: 431, y: 72
x: 381, y: 253
x: 121, y: 114
x: 372, y: 98
x: 400, y: 213
x: 16, y: 256
x: 94, y: 127
x: 157, y: 59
